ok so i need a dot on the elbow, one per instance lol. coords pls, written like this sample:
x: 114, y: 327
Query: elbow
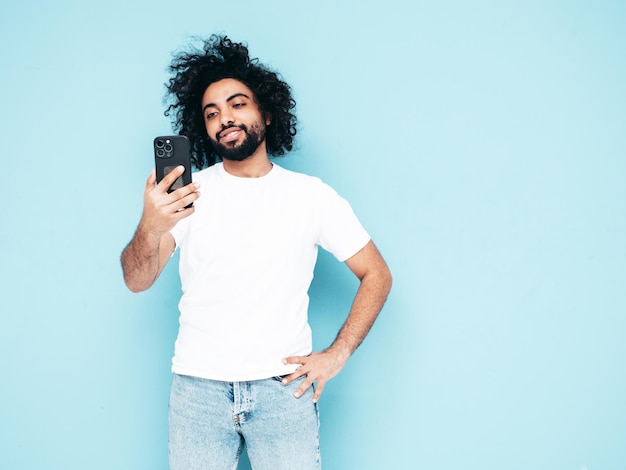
x: 387, y: 280
x: 134, y: 288
x: 136, y: 281
x: 380, y: 280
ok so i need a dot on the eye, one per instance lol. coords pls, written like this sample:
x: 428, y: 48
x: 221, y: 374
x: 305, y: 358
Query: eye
x: 239, y: 105
x: 211, y: 115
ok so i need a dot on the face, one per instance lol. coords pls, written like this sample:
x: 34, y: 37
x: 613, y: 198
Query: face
x: 233, y: 120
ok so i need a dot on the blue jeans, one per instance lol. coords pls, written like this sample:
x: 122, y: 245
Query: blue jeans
x: 209, y: 421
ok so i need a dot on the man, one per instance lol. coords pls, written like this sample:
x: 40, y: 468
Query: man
x: 243, y: 366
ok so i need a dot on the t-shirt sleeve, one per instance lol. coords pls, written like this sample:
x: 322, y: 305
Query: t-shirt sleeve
x: 340, y: 231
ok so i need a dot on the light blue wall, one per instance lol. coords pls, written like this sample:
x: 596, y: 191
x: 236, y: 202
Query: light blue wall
x: 483, y: 144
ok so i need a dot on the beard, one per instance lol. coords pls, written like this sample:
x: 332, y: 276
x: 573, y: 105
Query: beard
x: 239, y: 152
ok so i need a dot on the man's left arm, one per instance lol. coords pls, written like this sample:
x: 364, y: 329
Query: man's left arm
x: 370, y: 267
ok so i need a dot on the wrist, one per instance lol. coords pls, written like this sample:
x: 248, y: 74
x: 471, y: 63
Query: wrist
x: 148, y: 234
x: 151, y: 225
x: 340, y: 350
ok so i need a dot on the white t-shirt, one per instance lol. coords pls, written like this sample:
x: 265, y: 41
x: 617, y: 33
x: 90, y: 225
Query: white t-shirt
x: 246, y: 263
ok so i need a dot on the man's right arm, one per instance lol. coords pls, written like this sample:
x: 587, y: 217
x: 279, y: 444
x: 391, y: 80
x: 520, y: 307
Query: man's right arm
x: 145, y: 256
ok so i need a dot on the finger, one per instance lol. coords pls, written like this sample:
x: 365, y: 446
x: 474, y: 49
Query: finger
x: 294, y: 360
x: 194, y: 186
x: 185, y: 190
x: 184, y: 196
x: 293, y: 376
x: 183, y: 202
x: 182, y: 213
x: 303, y: 387
x: 168, y: 180
x: 318, y: 391
x: 150, y: 182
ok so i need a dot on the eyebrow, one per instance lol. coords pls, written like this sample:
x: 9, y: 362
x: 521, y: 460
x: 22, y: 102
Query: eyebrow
x: 231, y: 97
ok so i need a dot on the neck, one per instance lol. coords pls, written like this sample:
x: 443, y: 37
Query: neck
x: 256, y: 165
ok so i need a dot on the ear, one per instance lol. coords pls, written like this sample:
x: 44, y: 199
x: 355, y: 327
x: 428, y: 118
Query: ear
x: 268, y: 119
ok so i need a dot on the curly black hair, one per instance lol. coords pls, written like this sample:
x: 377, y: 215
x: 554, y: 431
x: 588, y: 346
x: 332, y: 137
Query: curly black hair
x: 222, y: 58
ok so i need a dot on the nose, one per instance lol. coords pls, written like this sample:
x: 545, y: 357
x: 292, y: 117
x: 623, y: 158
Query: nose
x: 226, y: 117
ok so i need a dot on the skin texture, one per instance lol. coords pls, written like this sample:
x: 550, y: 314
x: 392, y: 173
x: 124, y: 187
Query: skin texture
x: 228, y: 104
x: 147, y: 253
x: 369, y: 266
x: 219, y: 58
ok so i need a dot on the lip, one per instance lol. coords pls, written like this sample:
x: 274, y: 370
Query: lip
x: 230, y: 134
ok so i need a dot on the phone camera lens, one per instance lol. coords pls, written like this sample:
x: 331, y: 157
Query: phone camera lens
x: 160, y: 153
x: 168, y: 148
x: 160, y: 143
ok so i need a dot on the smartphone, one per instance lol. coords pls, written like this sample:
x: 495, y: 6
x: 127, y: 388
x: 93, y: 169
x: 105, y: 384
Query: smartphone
x: 171, y: 151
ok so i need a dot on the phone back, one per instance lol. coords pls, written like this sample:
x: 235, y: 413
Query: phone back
x: 171, y: 151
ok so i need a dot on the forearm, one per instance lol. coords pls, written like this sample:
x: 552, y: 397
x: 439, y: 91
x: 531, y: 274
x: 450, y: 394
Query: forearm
x: 368, y: 303
x: 140, y: 260
x: 152, y: 245
x: 369, y: 266
x: 321, y: 367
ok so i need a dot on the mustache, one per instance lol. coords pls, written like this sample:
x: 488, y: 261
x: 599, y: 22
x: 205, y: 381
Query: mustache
x: 243, y: 127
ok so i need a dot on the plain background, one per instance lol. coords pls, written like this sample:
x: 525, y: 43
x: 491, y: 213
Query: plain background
x: 483, y: 146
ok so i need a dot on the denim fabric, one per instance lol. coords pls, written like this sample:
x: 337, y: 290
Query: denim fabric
x: 210, y: 421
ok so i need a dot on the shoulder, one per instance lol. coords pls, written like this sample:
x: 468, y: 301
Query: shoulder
x: 297, y: 179
x: 206, y: 173
x: 301, y: 188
